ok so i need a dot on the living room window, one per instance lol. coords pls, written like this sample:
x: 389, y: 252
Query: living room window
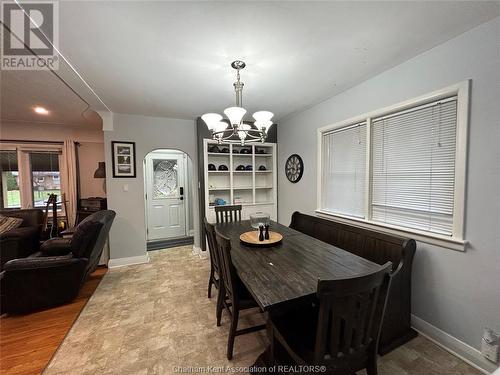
x: 9, y: 179
x: 45, y: 177
x: 401, y: 168
x: 29, y: 174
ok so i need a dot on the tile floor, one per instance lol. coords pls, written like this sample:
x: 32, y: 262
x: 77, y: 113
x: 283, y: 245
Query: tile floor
x: 154, y: 318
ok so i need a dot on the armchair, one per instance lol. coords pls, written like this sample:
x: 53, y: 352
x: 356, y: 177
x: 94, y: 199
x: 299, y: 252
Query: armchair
x: 24, y: 240
x: 54, y: 275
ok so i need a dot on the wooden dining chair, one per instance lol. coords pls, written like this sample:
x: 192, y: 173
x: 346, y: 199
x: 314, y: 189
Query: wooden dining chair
x: 342, y: 330
x: 226, y: 214
x: 214, y: 278
x: 236, y: 296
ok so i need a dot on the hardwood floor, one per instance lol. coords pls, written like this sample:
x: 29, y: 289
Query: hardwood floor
x: 28, y: 342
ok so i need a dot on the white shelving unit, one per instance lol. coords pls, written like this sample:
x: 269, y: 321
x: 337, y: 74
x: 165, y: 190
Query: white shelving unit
x: 255, y: 190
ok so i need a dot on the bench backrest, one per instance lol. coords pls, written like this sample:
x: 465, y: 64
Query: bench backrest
x: 375, y: 246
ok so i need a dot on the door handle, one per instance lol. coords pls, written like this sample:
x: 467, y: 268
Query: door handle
x: 181, y: 198
x: 181, y: 190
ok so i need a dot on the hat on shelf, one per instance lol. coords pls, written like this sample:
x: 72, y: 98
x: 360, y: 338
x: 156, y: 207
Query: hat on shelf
x: 245, y: 151
x: 225, y: 150
x: 223, y: 167
x: 213, y: 148
x: 236, y: 151
x: 211, y: 167
x: 262, y: 168
x: 240, y: 168
x: 248, y: 167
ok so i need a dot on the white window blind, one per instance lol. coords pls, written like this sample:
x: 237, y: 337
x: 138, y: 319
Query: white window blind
x: 344, y: 171
x: 413, y: 167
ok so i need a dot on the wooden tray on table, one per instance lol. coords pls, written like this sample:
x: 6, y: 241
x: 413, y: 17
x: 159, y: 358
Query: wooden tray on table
x: 252, y: 238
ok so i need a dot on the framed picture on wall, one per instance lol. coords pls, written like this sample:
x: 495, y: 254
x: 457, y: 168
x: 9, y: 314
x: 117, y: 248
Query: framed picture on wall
x: 123, y: 159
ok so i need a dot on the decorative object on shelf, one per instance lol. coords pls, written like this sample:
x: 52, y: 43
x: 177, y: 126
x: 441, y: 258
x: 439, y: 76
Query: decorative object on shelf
x: 245, y: 151
x: 223, y: 167
x: 211, y: 167
x: 294, y: 168
x: 248, y: 167
x: 220, y: 202
x: 225, y: 150
x: 214, y: 149
x: 258, y: 219
x: 240, y: 168
x: 238, y: 200
x: 123, y: 159
x: 260, y: 151
x: 237, y: 130
x: 262, y: 168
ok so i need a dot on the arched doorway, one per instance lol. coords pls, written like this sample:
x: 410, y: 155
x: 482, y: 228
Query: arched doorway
x: 168, y: 176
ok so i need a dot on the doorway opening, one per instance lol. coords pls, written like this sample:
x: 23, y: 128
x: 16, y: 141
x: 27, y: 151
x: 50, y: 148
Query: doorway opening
x: 168, y: 177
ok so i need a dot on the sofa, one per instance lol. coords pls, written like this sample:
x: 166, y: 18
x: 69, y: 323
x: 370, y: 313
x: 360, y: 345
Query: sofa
x: 379, y: 248
x: 22, y: 241
x: 54, y: 275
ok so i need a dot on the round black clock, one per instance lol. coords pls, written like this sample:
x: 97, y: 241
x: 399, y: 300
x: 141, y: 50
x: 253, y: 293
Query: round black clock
x: 294, y: 168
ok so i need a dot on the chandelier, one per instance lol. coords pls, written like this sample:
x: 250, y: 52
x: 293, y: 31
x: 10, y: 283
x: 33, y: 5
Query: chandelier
x: 234, y: 129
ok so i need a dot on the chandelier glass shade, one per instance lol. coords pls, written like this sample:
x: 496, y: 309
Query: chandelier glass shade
x: 234, y: 129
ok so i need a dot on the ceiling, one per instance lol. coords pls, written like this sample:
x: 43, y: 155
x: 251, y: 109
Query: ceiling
x: 172, y: 59
x: 22, y: 91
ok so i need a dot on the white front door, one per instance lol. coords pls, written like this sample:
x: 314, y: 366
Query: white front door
x: 165, y: 192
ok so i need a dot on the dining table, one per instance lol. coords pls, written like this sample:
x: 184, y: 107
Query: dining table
x: 285, y: 275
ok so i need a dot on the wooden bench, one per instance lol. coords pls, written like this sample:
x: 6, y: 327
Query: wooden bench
x: 379, y: 248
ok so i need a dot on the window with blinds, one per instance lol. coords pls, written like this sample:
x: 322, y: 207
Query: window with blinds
x: 398, y: 168
x: 413, y: 167
x: 344, y: 171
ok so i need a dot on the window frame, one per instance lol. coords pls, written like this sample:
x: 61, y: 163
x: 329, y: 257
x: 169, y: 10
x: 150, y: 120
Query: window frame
x: 456, y: 241
x: 23, y: 151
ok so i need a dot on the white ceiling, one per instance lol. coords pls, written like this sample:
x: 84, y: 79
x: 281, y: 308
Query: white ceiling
x: 172, y: 59
x: 22, y: 91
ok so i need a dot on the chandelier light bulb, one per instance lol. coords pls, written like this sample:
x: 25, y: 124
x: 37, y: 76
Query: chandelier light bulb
x: 242, y: 133
x: 220, y: 126
x: 211, y: 119
x: 263, y: 124
x: 235, y: 114
x: 263, y: 116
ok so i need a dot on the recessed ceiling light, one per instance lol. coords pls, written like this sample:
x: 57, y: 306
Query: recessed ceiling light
x: 41, y: 111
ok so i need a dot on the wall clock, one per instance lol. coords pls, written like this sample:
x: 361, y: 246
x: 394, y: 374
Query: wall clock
x: 294, y: 168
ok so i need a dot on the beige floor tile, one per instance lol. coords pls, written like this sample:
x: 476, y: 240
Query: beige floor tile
x: 148, y: 319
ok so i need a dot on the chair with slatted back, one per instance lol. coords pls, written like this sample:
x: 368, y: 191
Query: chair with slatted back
x: 236, y: 296
x: 341, y: 330
x: 214, y: 261
x: 215, y: 278
x: 226, y: 214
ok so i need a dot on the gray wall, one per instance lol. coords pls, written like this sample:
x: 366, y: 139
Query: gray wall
x: 454, y: 291
x: 128, y: 234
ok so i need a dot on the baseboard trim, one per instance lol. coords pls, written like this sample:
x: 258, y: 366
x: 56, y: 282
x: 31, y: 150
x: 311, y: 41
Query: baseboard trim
x: 197, y: 251
x: 129, y: 261
x: 453, y: 345
x: 203, y: 254
x: 169, y: 243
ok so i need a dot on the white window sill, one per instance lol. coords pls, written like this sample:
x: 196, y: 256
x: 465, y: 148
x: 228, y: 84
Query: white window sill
x: 433, y: 239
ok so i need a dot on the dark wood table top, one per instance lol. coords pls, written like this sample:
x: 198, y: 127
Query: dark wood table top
x: 284, y: 274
